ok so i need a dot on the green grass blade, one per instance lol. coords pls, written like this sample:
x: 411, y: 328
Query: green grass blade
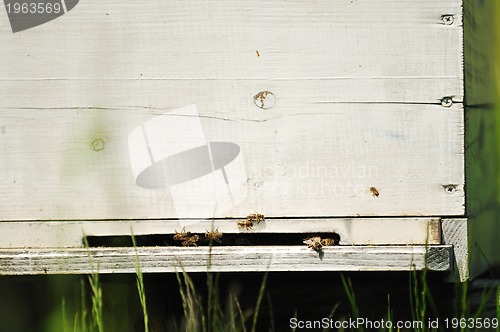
x: 63, y: 313
x: 75, y: 322
x: 97, y: 319
x: 240, y: 312
x: 351, y: 297
x: 295, y: 313
x: 485, y: 296
x: 330, y: 315
x: 97, y: 301
x: 259, y: 300
x: 83, y: 322
x: 413, y: 290
x: 140, y: 285
x: 498, y: 304
x: 464, y: 306
x: 271, y: 312
x: 389, y: 311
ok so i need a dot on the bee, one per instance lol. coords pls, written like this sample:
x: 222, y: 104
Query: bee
x: 374, y: 191
x: 246, y: 224
x: 214, y: 235
x: 183, y: 235
x: 327, y: 242
x: 256, y: 217
x: 190, y: 241
x: 314, y: 243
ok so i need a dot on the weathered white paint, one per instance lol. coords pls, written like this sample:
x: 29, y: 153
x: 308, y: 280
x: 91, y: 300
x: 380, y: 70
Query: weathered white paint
x: 356, y: 231
x: 363, y: 39
x: 357, y: 84
x: 241, y: 259
x: 317, y: 160
x: 357, y: 87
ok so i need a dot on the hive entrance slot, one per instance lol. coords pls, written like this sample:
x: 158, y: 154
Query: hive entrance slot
x: 233, y: 239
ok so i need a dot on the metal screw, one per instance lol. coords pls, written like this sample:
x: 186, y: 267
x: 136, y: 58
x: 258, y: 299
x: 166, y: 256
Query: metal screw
x: 447, y: 19
x: 446, y: 102
x: 450, y: 188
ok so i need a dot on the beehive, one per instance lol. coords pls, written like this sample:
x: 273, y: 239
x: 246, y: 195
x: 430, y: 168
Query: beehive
x: 342, y: 118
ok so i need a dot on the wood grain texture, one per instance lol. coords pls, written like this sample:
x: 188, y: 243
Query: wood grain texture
x: 358, y: 86
x: 278, y: 258
x: 320, y: 160
x: 211, y: 40
x: 356, y: 231
x: 455, y: 232
x: 475, y: 244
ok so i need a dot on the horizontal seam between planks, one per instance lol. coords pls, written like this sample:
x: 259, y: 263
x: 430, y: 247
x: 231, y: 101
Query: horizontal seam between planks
x: 230, y: 78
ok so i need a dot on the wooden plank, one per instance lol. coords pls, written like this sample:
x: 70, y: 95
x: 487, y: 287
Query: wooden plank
x: 278, y: 258
x: 295, y: 160
x: 475, y: 244
x: 357, y: 231
x: 456, y: 233
x: 352, y: 86
x: 223, y: 95
x: 212, y: 40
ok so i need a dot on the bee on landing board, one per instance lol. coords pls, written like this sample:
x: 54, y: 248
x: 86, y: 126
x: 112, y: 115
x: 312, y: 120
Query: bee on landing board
x: 314, y: 243
x: 190, y: 241
x: 183, y: 235
x: 256, y: 217
x: 246, y: 224
x: 317, y: 243
x: 213, y: 235
x: 327, y: 242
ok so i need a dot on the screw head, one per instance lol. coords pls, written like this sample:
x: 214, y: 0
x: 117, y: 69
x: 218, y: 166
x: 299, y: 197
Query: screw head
x: 450, y: 188
x: 446, y: 102
x: 447, y: 19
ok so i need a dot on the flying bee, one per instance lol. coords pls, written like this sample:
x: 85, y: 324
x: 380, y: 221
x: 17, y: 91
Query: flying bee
x: 183, y: 235
x: 327, y: 242
x: 314, y: 243
x: 255, y: 217
x: 374, y: 192
x: 246, y: 224
x: 190, y: 241
x: 213, y: 235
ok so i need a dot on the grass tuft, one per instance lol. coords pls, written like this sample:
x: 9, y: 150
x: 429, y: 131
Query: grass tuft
x: 140, y: 285
x: 349, y: 290
x: 95, y: 287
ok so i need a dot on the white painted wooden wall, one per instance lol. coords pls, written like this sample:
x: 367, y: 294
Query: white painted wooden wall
x: 357, y: 84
